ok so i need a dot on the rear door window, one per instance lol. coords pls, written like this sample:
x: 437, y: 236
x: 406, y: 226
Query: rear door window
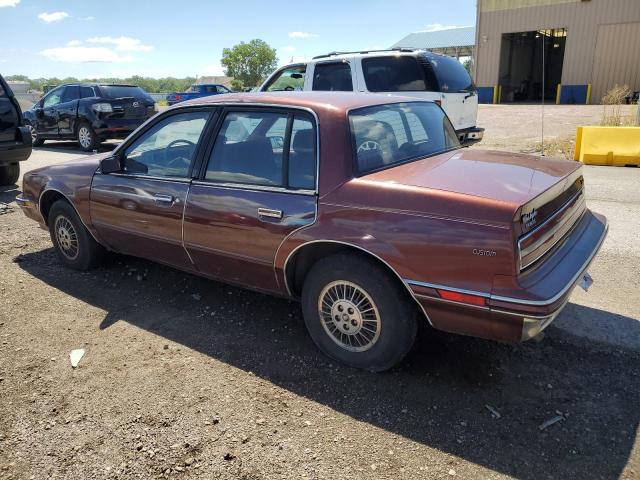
x: 70, y: 94
x: 87, y: 92
x: 121, y: 91
x: 397, y: 74
x: 452, y: 75
x: 332, y: 77
x: 288, y: 79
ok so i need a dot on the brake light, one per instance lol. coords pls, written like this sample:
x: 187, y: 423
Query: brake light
x: 438, y: 102
x: 178, y: 97
x: 462, y: 297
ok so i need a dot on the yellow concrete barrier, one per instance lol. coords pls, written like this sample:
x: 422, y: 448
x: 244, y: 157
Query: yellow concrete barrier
x: 616, y: 146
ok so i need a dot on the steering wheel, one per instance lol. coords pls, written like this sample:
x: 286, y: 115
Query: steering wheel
x: 369, y: 145
x: 174, y: 162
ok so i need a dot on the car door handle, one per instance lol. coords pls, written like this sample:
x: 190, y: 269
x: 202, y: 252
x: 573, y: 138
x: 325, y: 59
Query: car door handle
x: 162, y: 199
x: 267, y: 212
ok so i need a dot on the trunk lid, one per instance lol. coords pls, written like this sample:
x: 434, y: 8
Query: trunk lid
x: 506, y: 177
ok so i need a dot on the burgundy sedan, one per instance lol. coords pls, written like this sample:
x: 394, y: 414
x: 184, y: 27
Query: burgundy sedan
x: 363, y: 206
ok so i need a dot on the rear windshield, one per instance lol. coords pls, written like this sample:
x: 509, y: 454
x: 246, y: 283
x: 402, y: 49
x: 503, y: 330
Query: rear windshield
x: 387, y: 135
x: 452, y: 75
x: 120, y: 91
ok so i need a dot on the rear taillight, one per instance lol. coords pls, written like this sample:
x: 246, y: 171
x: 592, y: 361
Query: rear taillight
x: 438, y: 102
x: 178, y: 97
x: 462, y: 297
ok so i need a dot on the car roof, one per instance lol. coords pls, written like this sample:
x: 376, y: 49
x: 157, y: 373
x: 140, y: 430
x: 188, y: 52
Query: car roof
x: 372, y: 53
x: 314, y: 100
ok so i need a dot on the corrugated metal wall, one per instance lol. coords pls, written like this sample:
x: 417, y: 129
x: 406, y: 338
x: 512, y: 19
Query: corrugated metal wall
x: 582, y: 20
x: 616, y: 61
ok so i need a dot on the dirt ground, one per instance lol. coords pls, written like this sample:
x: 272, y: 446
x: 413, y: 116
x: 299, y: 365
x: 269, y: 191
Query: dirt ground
x: 188, y: 378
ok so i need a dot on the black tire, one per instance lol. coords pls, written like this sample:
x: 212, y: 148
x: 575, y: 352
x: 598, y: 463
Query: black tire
x: 397, y: 322
x: 9, y: 174
x: 87, y: 138
x: 35, y: 140
x: 88, y: 253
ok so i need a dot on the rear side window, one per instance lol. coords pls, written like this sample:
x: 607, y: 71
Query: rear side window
x: 387, y: 135
x: 397, y: 74
x: 87, y: 92
x: 266, y: 149
x: 2, y: 92
x: 452, y: 75
x: 289, y: 79
x: 332, y: 77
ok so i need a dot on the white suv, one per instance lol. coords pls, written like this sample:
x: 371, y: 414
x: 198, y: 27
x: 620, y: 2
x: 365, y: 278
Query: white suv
x: 416, y: 73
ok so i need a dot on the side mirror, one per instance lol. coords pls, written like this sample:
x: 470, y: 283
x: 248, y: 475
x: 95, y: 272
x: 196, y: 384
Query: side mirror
x: 110, y: 165
x: 39, y: 112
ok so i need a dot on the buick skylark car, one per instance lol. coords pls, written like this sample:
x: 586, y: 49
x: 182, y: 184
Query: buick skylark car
x: 364, y: 207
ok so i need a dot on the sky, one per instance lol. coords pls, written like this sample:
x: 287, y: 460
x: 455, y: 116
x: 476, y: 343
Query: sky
x: 120, y: 38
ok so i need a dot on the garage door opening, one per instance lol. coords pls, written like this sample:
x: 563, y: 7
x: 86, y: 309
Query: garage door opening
x: 521, y: 64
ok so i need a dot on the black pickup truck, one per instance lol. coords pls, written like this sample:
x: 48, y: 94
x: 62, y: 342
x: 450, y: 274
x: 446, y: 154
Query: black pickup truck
x: 15, y: 140
x: 89, y: 113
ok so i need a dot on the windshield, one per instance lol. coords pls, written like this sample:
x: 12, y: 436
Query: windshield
x: 387, y: 135
x: 120, y: 91
x: 452, y: 75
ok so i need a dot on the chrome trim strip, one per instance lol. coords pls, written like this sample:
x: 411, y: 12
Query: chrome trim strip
x: 271, y: 213
x: 578, y: 205
x: 284, y: 269
x: 71, y: 203
x: 150, y: 177
x: 258, y: 188
x: 521, y: 301
x: 24, y: 202
x: 450, y: 289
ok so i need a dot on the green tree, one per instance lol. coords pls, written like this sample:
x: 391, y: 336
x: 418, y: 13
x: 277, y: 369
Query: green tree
x: 249, y: 63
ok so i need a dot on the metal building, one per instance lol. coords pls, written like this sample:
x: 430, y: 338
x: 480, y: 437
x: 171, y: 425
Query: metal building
x: 588, y: 46
x: 456, y: 42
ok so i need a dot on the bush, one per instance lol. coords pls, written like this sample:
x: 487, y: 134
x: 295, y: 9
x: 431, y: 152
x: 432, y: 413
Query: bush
x: 612, y: 102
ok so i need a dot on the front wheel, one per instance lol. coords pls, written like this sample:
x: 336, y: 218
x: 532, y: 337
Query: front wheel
x: 74, y: 244
x: 357, y: 313
x: 9, y: 174
x: 87, y: 138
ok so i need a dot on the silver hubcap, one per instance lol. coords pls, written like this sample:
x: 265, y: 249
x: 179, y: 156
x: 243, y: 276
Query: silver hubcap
x: 84, y: 137
x: 349, y: 316
x: 66, y: 237
x: 34, y: 134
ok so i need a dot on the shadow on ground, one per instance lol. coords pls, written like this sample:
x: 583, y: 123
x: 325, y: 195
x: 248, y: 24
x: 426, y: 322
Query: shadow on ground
x: 438, y: 397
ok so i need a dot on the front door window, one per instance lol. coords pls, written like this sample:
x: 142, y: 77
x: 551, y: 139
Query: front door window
x: 168, y: 148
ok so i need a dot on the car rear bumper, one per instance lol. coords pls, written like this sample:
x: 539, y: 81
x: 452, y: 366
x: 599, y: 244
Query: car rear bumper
x: 116, y: 127
x: 16, y: 151
x: 518, y: 308
x: 469, y: 136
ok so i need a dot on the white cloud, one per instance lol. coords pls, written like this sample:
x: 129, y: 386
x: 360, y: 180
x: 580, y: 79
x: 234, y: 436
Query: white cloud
x: 123, y: 44
x: 288, y: 48
x: 74, y: 43
x: 88, y: 18
x: 53, y: 16
x: 436, y: 27
x: 213, y: 70
x: 9, y: 3
x: 85, y: 55
x: 302, y: 35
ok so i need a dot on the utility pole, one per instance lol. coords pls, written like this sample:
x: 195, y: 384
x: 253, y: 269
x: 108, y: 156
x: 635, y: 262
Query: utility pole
x: 543, y: 85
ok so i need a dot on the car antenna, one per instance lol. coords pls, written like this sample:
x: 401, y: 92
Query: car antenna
x: 543, y: 86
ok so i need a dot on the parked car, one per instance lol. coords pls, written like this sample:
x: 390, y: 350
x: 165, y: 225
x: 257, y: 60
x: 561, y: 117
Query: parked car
x: 89, y: 113
x: 15, y: 140
x: 197, y: 90
x: 417, y: 73
x: 363, y: 206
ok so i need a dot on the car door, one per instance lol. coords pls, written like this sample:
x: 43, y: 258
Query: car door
x: 68, y: 110
x: 139, y: 210
x: 47, y: 114
x: 257, y: 186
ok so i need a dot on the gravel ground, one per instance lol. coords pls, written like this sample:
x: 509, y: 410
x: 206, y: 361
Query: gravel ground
x: 188, y: 378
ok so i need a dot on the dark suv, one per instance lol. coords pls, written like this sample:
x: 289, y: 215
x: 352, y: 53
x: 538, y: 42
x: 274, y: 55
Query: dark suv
x: 15, y: 141
x: 89, y: 113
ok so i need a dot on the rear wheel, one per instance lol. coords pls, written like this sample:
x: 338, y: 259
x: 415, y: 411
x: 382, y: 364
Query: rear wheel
x: 74, y: 244
x: 87, y: 138
x: 9, y: 173
x: 357, y: 313
x: 35, y: 140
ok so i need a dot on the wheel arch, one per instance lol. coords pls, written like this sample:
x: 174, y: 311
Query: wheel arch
x: 47, y: 199
x: 303, y: 257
